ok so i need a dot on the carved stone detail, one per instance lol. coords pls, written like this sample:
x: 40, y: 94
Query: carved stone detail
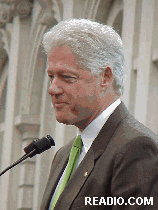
x: 23, y: 8
x: 47, y: 17
x: 26, y: 122
x: 1, y: 41
x: 6, y: 13
x: 9, y: 8
x: 3, y: 48
x: 57, y: 8
x: 4, y: 40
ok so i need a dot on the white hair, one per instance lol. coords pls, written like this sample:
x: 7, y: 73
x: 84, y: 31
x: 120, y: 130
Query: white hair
x: 96, y: 46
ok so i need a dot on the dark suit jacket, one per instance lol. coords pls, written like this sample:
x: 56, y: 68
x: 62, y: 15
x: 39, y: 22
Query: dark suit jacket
x: 122, y: 162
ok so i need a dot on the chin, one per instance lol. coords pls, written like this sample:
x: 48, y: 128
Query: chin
x: 66, y: 118
x: 64, y: 121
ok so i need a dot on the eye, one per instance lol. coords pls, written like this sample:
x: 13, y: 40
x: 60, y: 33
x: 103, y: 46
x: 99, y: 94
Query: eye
x: 63, y: 77
x: 51, y: 77
x: 68, y: 78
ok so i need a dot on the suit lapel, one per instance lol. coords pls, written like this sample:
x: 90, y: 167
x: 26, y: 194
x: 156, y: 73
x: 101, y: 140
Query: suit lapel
x: 100, y: 143
x: 75, y: 183
x: 96, y: 150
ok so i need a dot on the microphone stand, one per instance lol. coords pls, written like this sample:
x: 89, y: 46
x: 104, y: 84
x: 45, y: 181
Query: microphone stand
x: 36, y: 147
x: 17, y: 162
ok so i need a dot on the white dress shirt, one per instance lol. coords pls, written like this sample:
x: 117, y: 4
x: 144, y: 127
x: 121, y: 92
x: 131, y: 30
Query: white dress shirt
x: 89, y: 134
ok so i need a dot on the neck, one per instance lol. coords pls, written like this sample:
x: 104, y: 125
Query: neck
x: 81, y: 125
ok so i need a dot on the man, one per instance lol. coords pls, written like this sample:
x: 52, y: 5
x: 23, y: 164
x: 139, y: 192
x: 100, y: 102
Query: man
x: 117, y: 166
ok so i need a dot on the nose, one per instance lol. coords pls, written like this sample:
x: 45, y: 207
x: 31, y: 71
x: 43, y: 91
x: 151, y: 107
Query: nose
x: 54, y: 88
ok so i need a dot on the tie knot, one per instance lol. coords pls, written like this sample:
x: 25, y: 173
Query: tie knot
x: 78, y: 142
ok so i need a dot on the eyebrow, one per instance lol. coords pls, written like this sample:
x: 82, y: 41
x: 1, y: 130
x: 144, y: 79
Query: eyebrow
x: 49, y: 69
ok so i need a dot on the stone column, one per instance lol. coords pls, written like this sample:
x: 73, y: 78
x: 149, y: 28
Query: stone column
x: 128, y: 41
x: 12, y: 11
x: 144, y: 60
x: 7, y: 151
x: 28, y: 125
x: 68, y: 9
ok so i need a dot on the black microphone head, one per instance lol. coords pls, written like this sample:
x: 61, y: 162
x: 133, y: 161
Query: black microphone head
x: 40, y: 145
x: 43, y: 144
x: 29, y: 147
x: 51, y: 140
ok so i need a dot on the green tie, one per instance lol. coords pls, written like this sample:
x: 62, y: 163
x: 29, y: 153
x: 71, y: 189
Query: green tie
x: 73, y: 159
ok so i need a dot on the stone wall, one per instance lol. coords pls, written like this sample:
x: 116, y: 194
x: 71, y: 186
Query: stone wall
x: 26, y: 112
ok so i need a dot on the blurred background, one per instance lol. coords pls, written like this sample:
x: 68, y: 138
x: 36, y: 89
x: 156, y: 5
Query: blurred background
x: 25, y: 107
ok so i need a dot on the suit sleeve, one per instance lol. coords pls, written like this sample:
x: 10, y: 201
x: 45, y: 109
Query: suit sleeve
x: 135, y: 175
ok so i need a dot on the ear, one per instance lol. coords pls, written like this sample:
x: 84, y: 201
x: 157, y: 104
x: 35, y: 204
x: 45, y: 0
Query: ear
x: 107, y: 77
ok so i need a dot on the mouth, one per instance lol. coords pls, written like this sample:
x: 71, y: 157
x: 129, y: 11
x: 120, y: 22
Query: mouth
x: 59, y: 104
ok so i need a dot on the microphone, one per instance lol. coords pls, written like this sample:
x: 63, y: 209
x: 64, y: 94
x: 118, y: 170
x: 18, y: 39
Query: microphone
x: 36, y: 147
x: 40, y: 145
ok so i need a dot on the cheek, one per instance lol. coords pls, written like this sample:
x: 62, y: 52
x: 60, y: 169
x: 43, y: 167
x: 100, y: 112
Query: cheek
x: 85, y: 101
x: 89, y: 95
x: 84, y: 91
x: 81, y: 95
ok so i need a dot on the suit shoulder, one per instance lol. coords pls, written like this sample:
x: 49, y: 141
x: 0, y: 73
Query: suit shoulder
x: 131, y: 130
x: 131, y: 138
x: 134, y: 140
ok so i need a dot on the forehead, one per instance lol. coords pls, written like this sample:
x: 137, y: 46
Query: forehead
x: 63, y: 53
x: 62, y: 57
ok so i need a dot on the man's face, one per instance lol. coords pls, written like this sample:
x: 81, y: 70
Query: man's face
x: 74, y: 91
